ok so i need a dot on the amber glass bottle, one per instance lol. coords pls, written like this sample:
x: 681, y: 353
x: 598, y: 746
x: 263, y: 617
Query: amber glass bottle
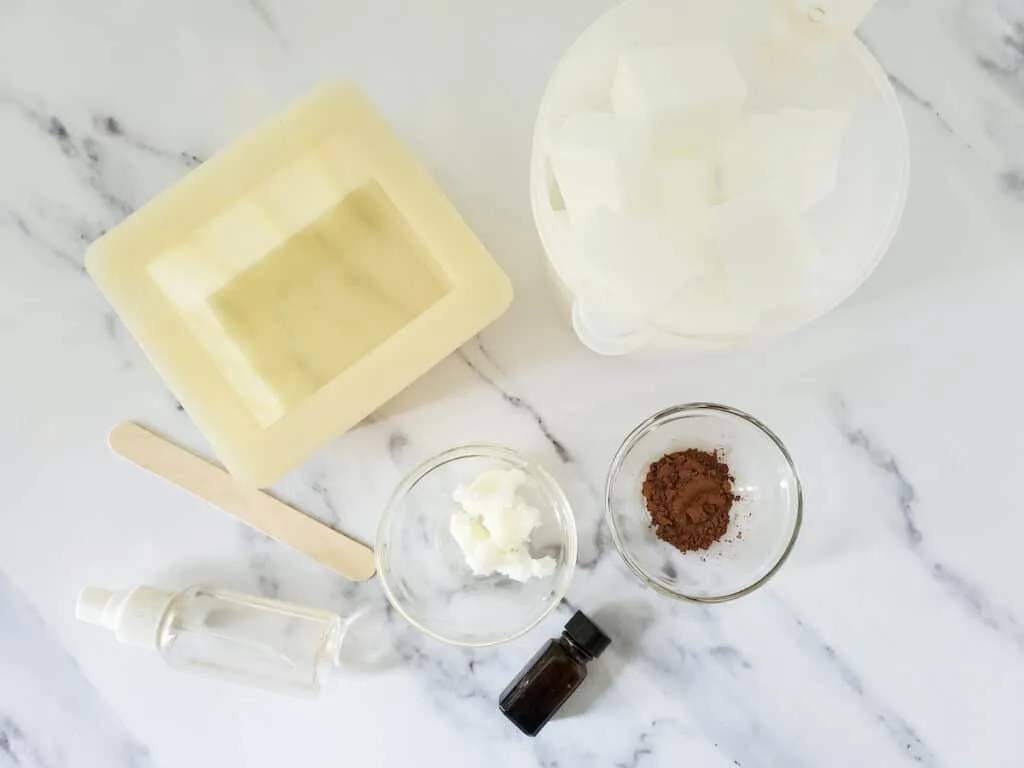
x: 552, y: 676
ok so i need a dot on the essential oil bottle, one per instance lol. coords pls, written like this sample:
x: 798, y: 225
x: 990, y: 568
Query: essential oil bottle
x: 551, y: 677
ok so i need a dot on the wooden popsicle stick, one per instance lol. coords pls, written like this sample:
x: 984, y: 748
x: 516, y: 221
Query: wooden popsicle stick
x: 255, y: 508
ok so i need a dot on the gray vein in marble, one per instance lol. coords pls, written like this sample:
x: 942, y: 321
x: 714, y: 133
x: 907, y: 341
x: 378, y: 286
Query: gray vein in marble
x: 647, y: 744
x: 267, y: 582
x: 92, y: 166
x: 601, y: 544
x: 906, y: 739
x: 928, y: 106
x: 16, y: 749
x: 35, y: 237
x: 729, y: 655
x: 86, y: 157
x: 975, y: 601
x: 591, y: 527
x: 642, y: 750
x: 550, y: 754
x: 601, y: 538
x: 1005, y: 62
x: 1012, y: 183
x: 398, y: 441
x: 260, y: 9
x: 906, y: 496
x: 110, y: 325
x: 515, y: 401
x: 362, y: 592
x: 324, y: 494
x: 726, y: 688
x: 968, y: 595
x: 462, y: 683
x: 111, y: 127
x: 449, y: 671
x: 113, y: 329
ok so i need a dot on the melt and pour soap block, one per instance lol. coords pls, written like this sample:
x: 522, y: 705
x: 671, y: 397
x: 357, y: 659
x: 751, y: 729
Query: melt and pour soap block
x: 598, y: 161
x: 767, y: 253
x: 680, y: 96
x: 792, y: 156
x: 635, y: 262
x: 292, y: 284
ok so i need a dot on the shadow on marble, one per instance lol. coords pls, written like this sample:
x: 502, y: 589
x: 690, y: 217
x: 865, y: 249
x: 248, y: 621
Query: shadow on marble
x: 949, y: 232
x: 49, y: 709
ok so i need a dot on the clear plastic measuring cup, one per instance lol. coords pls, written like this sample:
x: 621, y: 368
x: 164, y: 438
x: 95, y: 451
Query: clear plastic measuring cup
x: 793, y: 53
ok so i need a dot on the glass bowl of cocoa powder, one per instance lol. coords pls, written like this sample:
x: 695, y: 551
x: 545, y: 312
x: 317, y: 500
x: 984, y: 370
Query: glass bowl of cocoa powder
x: 704, y: 502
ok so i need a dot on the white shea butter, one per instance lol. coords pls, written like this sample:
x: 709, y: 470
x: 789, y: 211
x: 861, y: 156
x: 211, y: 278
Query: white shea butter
x: 493, y: 527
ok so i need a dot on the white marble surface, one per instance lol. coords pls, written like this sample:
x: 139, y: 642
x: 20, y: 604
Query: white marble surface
x: 894, y: 636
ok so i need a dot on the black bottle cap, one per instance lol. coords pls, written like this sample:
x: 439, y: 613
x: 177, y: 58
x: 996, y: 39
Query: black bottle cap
x: 586, y: 635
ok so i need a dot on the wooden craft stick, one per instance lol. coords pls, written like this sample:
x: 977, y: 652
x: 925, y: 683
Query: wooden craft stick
x: 260, y: 510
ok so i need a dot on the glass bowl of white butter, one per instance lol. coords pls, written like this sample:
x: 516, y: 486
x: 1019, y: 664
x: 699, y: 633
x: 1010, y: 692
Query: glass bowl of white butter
x: 476, y: 545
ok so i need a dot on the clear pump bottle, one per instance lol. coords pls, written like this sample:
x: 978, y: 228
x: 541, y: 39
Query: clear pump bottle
x: 253, y: 640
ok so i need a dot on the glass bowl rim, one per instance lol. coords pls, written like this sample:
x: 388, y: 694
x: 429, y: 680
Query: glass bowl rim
x: 653, y: 422
x: 563, y: 511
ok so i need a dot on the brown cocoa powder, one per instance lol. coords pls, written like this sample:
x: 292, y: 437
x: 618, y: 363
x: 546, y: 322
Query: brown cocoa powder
x: 689, y: 495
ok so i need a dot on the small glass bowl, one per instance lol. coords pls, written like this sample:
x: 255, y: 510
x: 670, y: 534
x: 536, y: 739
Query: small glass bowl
x: 424, y: 573
x: 763, y: 524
